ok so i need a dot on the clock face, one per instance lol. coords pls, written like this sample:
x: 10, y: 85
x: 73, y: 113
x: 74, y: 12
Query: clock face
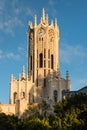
x: 51, y: 33
x: 41, y: 32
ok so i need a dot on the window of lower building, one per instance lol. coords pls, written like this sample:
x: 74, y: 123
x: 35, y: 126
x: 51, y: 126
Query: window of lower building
x: 55, y: 95
x: 44, y: 73
x: 15, y: 97
x: 44, y: 82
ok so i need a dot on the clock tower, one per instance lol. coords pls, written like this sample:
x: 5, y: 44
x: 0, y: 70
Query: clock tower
x: 43, y: 57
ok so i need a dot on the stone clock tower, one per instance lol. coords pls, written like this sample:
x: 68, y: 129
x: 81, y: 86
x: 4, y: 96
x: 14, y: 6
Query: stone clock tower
x: 43, y: 52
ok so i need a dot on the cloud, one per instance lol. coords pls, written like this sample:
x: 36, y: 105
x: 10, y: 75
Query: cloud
x: 9, y: 25
x: 29, y: 12
x: 9, y: 17
x: 13, y: 56
x: 71, y: 53
x: 2, y: 5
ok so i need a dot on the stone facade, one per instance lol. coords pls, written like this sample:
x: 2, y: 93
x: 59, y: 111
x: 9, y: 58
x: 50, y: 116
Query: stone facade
x: 43, y: 80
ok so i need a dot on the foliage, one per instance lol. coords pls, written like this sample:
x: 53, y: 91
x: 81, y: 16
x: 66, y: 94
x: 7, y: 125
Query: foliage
x: 69, y: 114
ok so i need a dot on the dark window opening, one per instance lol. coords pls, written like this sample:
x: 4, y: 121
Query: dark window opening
x: 41, y: 60
x: 44, y: 73
x: 55, y: 95
x: 44, y: 53
x: 31, y: 62
x: 51, y: 61
x: 44, y: 82
x: 15, y: 97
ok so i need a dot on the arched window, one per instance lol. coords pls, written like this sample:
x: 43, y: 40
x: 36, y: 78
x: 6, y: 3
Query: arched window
x: 51, y: 61
x: 15, y: 97
x: 31, y: 62
x: 55, y: 95
x: 41, y: 60
x: 44, y: 53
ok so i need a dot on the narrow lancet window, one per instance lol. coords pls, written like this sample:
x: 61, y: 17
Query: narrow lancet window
x: 41, y: 60
x: 31, y: 62
x: 51, y: 61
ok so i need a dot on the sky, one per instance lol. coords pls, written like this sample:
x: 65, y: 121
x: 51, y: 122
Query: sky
x: 72, y: 21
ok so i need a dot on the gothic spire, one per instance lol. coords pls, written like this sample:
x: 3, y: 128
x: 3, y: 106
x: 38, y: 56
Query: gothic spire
x: 43, y: 14
x: 35, y: 20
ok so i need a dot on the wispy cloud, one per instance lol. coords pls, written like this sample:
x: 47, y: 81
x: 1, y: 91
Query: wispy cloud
x: 9, y: 24
x: 2, y: 5
x: 29, y: 12
x: 71, y: 53
x: 52, y: 4
x: 13, y: 56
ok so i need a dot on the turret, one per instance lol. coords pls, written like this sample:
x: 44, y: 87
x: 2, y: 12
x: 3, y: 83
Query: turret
x: 67, y: 75
x: 23, y: 73
x: 35, y: 21
x: 67, y: 80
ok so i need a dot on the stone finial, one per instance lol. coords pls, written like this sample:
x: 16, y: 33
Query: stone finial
x: 12, y: 77
x: 46, y: 18
x: 23, y: 73
x: 30, y: 24
x: 55, y: 23
x: 43, y: 14
x: 35, y: 20
x: 52, y: 22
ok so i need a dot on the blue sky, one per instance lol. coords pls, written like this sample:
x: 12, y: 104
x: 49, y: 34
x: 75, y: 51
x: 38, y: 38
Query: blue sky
x: 72, y: 21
